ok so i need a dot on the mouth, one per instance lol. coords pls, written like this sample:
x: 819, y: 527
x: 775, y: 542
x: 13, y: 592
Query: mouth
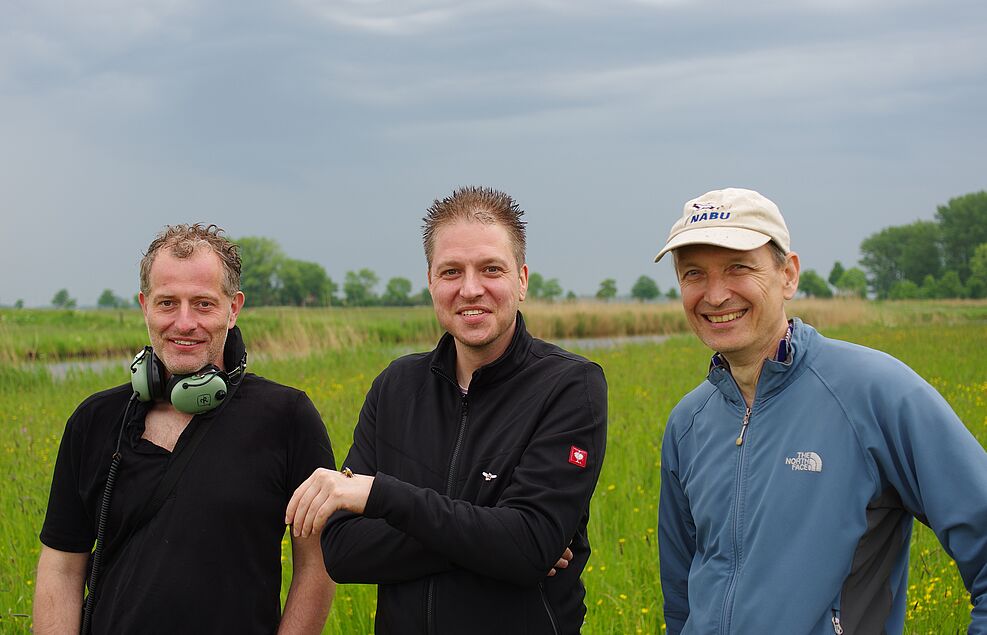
x: 727, y: 317
x: 185, y: 343
x: 471, y: 312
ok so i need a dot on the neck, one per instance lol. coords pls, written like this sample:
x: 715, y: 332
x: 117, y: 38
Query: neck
x: 746, y: 378
x: 471, y: 358
x: 746, y: 368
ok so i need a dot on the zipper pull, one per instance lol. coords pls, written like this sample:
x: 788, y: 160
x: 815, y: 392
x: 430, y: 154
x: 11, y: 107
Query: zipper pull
x: 837, y: 627
x: 743, y: 427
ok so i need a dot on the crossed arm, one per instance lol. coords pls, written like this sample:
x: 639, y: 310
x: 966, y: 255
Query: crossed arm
x: 328, y: 491
x: 424, y: 532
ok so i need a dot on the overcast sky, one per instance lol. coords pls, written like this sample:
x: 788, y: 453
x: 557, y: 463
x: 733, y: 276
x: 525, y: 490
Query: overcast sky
x: 331, y: 126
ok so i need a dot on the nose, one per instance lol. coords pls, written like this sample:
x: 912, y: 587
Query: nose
x: 185, y: 319
x: 717, y: 291
x: 472, y: 286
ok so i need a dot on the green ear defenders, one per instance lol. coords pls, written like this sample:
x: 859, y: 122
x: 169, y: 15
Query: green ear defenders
x: 192, y: 394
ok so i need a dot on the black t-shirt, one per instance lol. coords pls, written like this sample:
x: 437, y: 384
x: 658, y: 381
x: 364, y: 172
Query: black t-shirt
x: 209, y: 561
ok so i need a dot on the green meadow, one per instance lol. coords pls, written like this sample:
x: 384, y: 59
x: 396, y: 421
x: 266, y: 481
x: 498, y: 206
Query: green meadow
x: 334, y: 354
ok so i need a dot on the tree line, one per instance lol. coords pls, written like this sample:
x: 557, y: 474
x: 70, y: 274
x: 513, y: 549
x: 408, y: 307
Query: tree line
x: 942, y: 258
x: 270, y: 278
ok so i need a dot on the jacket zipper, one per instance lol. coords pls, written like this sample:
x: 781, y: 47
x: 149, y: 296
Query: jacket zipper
x: 743, y: 426
x: 457, y: 448
x: 548, y: 608
x: 429, y: 594
x: 728, y: 598
x: 837, y: 627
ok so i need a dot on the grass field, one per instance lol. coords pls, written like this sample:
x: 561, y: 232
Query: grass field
x: 944, y: 343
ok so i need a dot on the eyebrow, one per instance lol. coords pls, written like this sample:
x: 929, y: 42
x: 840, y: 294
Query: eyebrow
x: 458, y: 262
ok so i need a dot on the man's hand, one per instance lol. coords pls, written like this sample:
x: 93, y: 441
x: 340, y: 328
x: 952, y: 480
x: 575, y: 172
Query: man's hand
x: 321, y: 495
x: 562, y: 563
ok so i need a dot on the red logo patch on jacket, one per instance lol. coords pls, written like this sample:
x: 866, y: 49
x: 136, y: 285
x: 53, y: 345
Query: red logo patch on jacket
x: 577, y: 456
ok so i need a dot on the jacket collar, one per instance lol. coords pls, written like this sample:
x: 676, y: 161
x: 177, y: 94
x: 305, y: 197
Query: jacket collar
x: 235, y: 354
x: 444, y: 358
x: 775, y: 374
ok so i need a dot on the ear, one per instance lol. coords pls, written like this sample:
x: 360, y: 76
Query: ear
x: 142, y: 299
x: 428, y: 277
x: 523, y: 275
x: 792, y: 268
x: 235, y: 307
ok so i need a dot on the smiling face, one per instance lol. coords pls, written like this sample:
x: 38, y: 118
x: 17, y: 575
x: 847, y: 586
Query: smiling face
x: 186, y: 311
x: 735, y: 300
x: 476, y: 286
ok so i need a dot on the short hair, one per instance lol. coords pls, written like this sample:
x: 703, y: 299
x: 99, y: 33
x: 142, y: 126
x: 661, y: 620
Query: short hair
x: 183, y: 241
x: 479, y: 205
x: 779, y: 255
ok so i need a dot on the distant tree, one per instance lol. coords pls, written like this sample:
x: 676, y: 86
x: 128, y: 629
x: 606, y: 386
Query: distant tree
x: 929, y: 288
x: 551, y: 289
x: 672, y: 293
x: 536, y: 284
x: 302, y: 283
x: 424, y: 298
x: 645, y: 288
x: 963, y: 226
x: 977, y: 282
x: 903, y: 252
x: 853, y: 282
x: 835, y: 273
x: 607, y: 290
x: 19, y: 304
x: 62, y: 300
x: 813, y: 285
x: 110, y: 300
x: 949, y: 286
x: 359, y: 287
x: 571, y: 296
x: 396, y: 292
x: 904, y: 290
x: 975, y: 288
x: 262, y: 259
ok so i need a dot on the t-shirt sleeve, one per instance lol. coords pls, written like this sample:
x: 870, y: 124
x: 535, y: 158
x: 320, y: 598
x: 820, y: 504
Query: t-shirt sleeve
x: 309, y: 447
x: 67, y: 526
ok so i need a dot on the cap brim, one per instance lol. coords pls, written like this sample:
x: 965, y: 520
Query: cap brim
x: 736, y: 238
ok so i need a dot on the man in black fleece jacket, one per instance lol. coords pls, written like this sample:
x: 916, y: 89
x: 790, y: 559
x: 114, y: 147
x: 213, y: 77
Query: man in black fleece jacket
x: 472, y: 465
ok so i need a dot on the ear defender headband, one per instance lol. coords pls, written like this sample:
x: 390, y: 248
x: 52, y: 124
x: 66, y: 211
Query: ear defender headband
x: 192, y: 394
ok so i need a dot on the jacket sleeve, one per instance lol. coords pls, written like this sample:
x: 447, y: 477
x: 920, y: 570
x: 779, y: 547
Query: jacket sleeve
x: 537, y: 515
x: 364, y: 550
x: 940, y: 471
x: 676, y: 538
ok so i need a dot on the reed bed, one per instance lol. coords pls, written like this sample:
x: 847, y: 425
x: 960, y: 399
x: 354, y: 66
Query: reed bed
x: 56, y: 335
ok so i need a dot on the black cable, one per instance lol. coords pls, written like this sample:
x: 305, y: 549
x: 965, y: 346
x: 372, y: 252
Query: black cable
x: 104, y: 512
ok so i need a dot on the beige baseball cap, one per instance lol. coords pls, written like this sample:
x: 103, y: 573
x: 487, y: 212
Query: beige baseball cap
x: 733, y: 218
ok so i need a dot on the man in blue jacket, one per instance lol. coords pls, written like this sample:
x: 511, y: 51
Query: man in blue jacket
x: 790, y: 477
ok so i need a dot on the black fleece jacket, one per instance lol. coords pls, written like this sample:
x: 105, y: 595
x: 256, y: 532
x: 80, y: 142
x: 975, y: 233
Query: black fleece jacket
x: 476, y: 496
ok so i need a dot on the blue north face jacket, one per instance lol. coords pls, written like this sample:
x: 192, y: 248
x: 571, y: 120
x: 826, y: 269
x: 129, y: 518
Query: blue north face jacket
x: 805, y: 526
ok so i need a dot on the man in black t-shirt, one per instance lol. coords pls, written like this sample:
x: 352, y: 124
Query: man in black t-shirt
x: 207, y: 558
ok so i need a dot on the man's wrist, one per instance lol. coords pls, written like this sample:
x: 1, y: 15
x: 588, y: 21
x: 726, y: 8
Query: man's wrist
x: 357, y: 492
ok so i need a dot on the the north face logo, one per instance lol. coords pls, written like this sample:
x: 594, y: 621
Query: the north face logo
x: 805, y: 462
